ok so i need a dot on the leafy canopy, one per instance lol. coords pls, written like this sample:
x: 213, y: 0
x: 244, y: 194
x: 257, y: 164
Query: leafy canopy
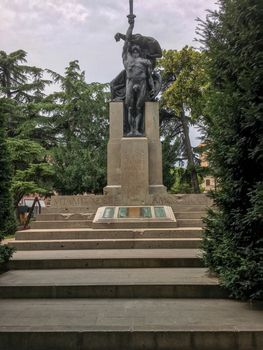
x: 182, y: 101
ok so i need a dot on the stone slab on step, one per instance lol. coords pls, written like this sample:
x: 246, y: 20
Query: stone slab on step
x: 143, y: 243
x: 118, y: 324
x: 60, y: 224
x: 190, y: 215
x: 190, y: 222
x: 129, y: 217
x: 111, y: 283
x: 69, y: 209
x: 88, y: 233
x: 189, y: 208
x: 106, y: 258
x: 65, y: 216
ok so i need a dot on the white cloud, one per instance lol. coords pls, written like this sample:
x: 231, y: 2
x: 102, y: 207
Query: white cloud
x: 7, y: 17
x: 70, y: 10
x: 54, y: 10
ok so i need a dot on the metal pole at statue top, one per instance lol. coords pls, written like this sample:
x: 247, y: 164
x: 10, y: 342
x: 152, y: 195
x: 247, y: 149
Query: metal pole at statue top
x: 131, y: 14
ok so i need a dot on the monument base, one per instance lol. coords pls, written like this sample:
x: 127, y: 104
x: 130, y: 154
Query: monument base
x: 112, y: 191
x: 134, y: 164
x: 157, y: 189
x: 91, y: 202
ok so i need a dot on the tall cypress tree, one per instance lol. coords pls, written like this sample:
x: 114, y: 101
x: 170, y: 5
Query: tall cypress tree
x: 233, y: 241
x: 7, y: 220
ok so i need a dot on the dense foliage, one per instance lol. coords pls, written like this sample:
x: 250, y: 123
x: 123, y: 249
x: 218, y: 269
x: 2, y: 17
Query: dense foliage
x: 31, y: 171
x: 184, y: 82
x: 22, y: 88
x: 56, y: 142
x: 170, y: 152
x: 233, y: 241
x: 78, y: 122
x: 7, y: 218
x: 6, y: 252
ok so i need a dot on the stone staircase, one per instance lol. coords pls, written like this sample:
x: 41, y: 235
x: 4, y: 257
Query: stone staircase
x: 72, y: 287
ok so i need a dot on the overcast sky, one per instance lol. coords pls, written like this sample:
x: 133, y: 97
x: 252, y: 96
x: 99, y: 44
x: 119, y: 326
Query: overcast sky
x: 55, y: 32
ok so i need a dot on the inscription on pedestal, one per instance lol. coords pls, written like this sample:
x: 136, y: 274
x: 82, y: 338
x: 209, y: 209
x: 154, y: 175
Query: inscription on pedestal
x: 134, y: 216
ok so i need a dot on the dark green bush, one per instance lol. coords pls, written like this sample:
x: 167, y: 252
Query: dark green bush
x: 5, y: 251
x: 233, y: 238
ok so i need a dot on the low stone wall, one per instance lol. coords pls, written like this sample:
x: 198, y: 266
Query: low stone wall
x: 93, y: 202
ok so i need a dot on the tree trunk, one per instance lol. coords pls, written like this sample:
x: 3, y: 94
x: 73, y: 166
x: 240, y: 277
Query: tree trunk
x: 189, y: 153
x: 7, y: 83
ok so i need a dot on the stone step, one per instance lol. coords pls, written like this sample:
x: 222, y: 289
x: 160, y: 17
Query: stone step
x: 65, y: 216
x: 189, y: 208
x: 60, y: 224
x: 188, y: 199
x: 190, y: 223
x: 111, y: 283
x: 70, y: 210
x: 105, y: 258
x: 143, y: 243
x: 63, y: 234
x: 126, y: 324
x: 190, y: 215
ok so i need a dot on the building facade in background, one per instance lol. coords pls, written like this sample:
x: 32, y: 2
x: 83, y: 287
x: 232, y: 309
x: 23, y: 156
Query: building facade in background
x: 209, y: 181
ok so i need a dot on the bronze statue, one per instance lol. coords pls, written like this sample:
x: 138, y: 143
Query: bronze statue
x: 139, y: 82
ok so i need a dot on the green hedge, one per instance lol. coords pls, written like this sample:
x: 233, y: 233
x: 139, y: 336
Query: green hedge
x: 233, y: 237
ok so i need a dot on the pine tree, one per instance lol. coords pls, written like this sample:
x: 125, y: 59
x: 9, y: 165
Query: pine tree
x: 232, y: 37
x: 24, y: 86
x: 78, y: 118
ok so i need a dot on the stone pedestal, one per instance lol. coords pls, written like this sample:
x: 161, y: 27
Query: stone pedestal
x: 114, y: 149
x: 134, y: 170
x: 155, y: 148
x: 134, y: 164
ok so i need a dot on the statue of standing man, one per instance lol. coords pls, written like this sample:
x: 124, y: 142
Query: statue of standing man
x: 139, y: 82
